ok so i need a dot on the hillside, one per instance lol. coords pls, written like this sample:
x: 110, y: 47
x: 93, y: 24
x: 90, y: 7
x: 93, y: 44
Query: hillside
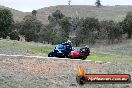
x: 116, y: 13
x: 18, y: 15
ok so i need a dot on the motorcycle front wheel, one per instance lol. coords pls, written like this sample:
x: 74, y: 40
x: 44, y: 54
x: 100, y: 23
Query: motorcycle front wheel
x: 51, y: 54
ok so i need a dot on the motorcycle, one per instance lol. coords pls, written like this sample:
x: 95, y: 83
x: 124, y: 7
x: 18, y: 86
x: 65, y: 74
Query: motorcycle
x: 60, y: 51
x: 80, y: 54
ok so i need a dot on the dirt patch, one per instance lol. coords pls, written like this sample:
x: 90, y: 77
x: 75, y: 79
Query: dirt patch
x: 59, y: 73
x: 46, y: 67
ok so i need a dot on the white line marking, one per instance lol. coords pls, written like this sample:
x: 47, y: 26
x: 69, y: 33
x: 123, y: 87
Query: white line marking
x: 55, y: 58
x: 75, y: 59
x: 15, y: 55
x: 87, y: 60
x: 2, y: 54
x: 98, y: 61
x: 108, y: 62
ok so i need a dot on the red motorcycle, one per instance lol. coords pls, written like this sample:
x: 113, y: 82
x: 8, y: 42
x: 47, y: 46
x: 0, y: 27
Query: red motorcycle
x: 80, y: 54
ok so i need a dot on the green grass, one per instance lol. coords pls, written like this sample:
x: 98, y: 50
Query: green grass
x: 113, y: 59
x: 45, y: 49
x: 115, y: 54
x: 27, y: 47
x: 99, y: 58
x: 110, y: 58
x: 107, y: 55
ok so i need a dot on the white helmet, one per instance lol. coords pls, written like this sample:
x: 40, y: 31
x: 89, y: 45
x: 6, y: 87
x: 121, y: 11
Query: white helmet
x: 68, y: 41
x: 86, y: 46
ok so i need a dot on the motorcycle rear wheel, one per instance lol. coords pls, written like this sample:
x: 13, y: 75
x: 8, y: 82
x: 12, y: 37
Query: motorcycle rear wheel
x: 84, y: 58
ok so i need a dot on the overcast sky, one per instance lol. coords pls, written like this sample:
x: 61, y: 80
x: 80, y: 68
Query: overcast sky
x: 29, y: 5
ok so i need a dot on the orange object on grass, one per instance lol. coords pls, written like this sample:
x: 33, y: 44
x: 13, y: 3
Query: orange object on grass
x: 81, y: 71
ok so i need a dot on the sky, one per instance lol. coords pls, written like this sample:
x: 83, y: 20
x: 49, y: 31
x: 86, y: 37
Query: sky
x: 29, y: 5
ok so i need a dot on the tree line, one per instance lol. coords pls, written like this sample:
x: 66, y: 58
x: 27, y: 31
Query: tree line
x: 60, y: 28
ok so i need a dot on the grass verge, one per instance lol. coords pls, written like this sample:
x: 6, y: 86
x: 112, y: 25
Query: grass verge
x: 26, y: 46
x: 99, y: 58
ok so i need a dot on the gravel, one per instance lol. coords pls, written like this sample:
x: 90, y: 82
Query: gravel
x: 20, y: 72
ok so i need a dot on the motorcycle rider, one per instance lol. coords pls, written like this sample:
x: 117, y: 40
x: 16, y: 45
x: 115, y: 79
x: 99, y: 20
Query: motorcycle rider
x: 68, y: 46
x: 85, y: 49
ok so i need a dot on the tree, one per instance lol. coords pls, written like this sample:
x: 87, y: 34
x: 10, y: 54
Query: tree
x: 126, y: 24
x: 88, y: 30
x: 98, y: 3
x: 58, y: 16
x: 6, y: 21
x: 34, y: 12
x: 52, y: 20
x: 65, y: 28
x: 14, y: 35
x: 111, y: 30
x: 30, y: 27
x: 49, y: 33
x: 74, y: 23
x: 59, y: 25
x: 46, y: 34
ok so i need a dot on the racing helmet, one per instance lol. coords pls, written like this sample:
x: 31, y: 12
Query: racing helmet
x: 86, y: 46
x: 68, y: 41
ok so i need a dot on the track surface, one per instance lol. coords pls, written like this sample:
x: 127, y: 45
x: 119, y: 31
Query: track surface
x: 47, y: 57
